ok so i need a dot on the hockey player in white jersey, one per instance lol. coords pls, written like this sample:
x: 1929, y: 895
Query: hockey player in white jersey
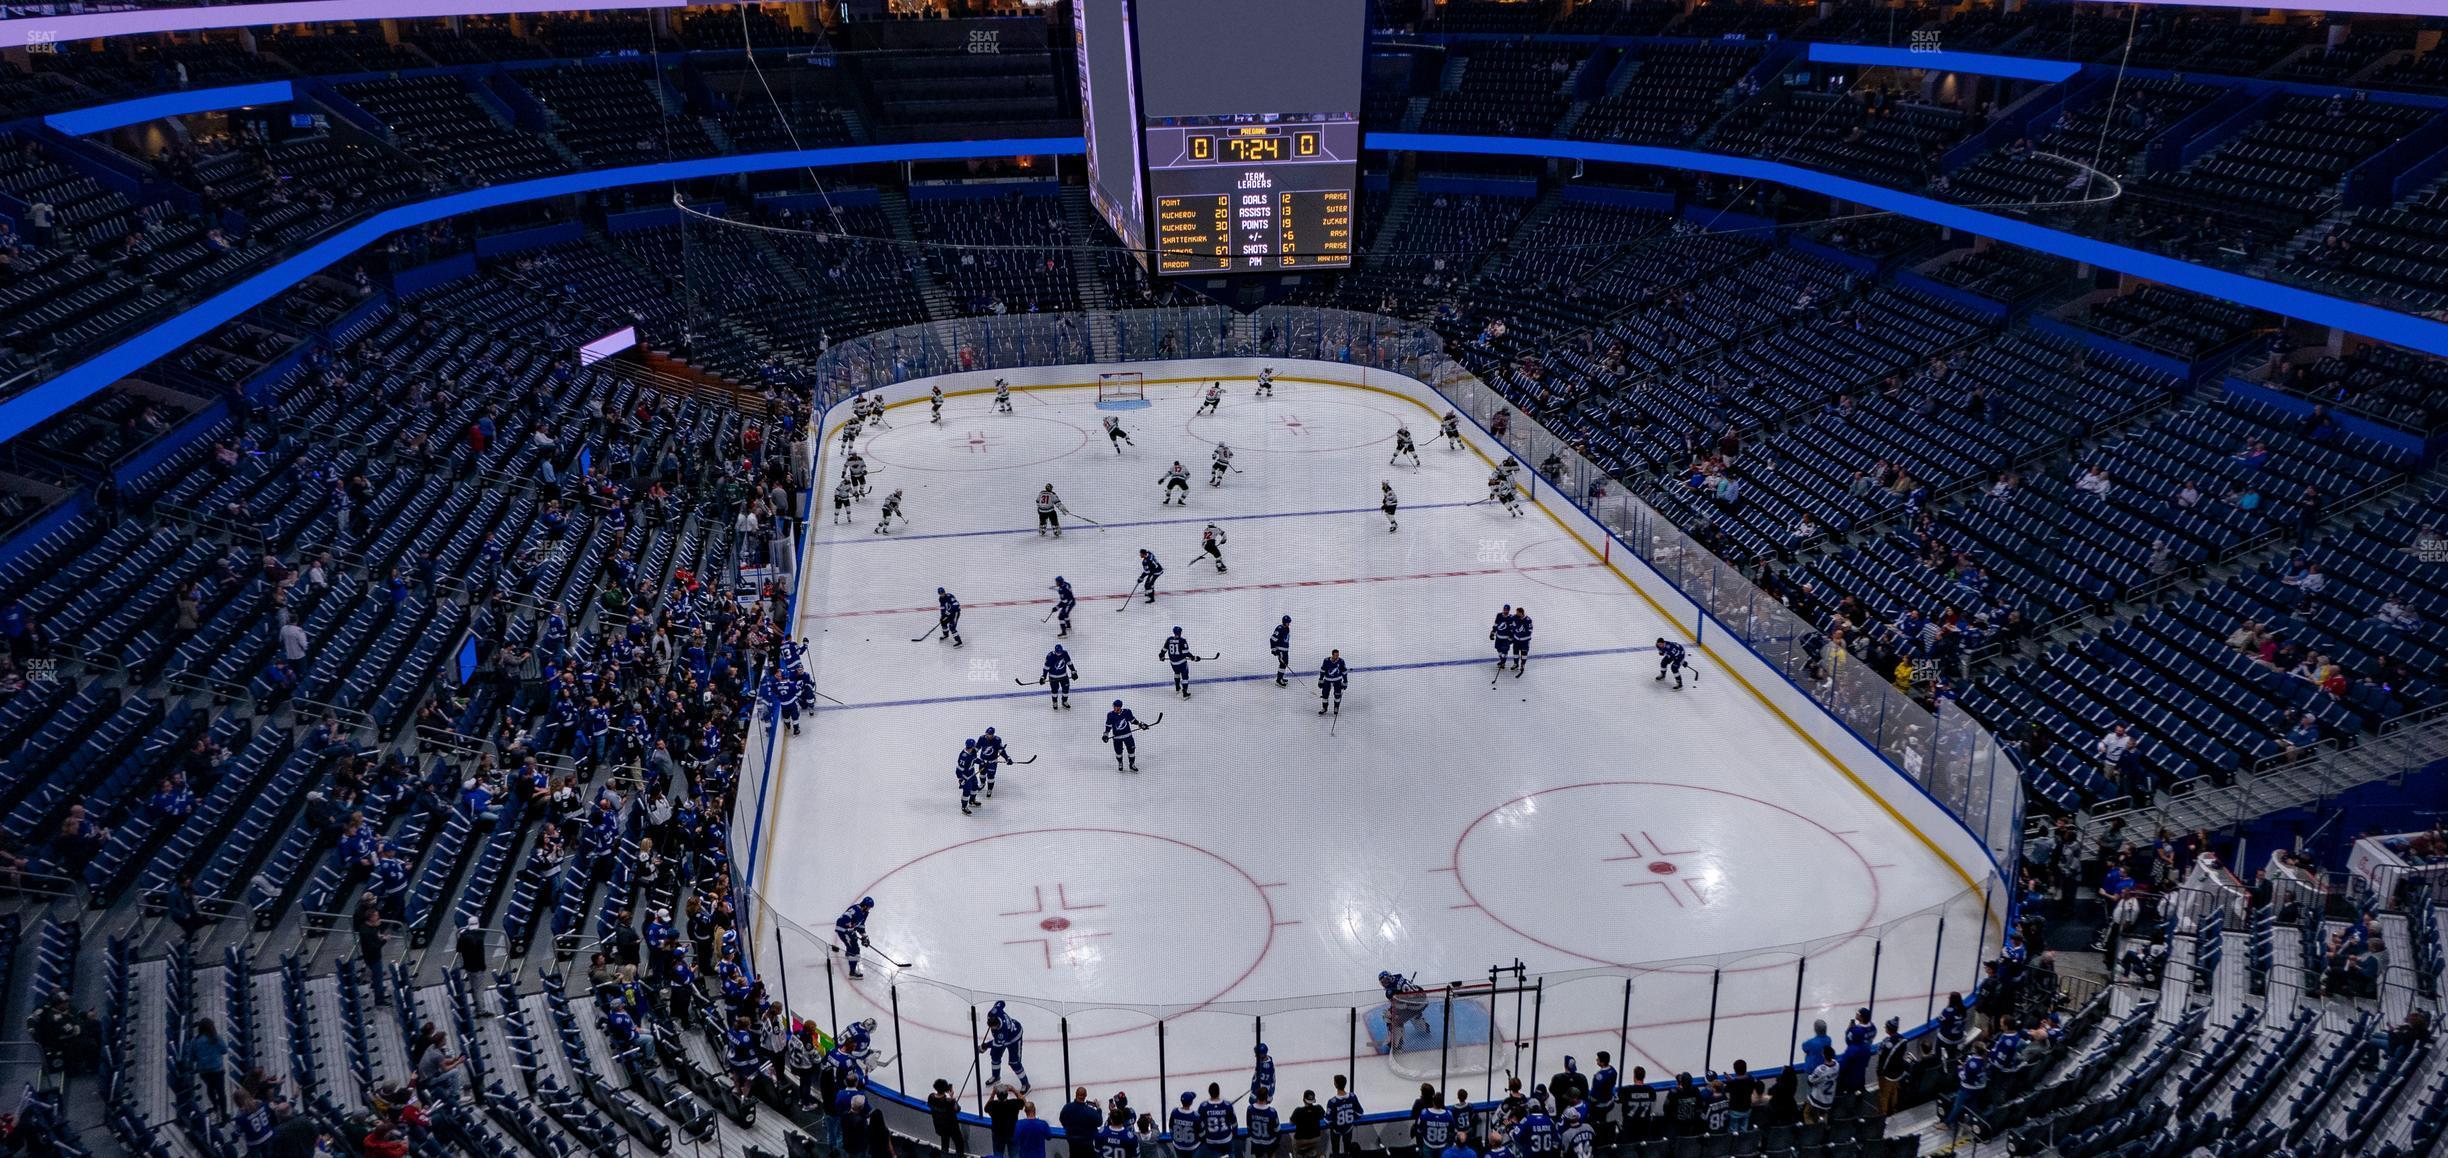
x: 1214, y: 396
x: 1219, y: 464
x: 1403, y: 445
x: 1211, y: 545
x: 1175, y: 484
x: 1049, y: 512
x: 1002, y: 397
x: 1450, y: 429
x: 1266, y: 382
x: 891, y: 511
x: 841, y: 502
x: 935, y: 404
x: 1115, y: 434
x: 1389, y: 504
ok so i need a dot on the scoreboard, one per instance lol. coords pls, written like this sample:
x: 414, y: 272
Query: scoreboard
x: 1224, y: 135
x: 1253, y: 198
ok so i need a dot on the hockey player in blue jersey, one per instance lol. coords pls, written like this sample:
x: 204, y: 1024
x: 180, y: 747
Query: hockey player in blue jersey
x: 1280, y: 642
x: 1262, y: 1073
x: 1517, y: 639
x: 1333, y: 676
x: 947, y: 615
x: 1175, y: 651
x: 851, y: 930
x: 1149, y: 571
x: 1064, y: 601
x: 1670, y: 659
x: 991, y: 755
x: 966, y: 773
x: 1500, y: 634
x: 1122, y: 728
x: 1057, y: 676
x: 1406, y: 1005
x: 1003, y: 1037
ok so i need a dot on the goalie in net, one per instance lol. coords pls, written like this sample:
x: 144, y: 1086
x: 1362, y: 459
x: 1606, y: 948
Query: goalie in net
x: 1425, y: 1030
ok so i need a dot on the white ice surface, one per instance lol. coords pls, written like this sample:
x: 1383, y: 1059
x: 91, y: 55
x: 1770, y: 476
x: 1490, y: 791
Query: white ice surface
x: 1583, y: 817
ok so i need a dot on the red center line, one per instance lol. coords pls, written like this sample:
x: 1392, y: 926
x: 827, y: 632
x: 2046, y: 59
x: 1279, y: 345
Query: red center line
x: 1042, y: 601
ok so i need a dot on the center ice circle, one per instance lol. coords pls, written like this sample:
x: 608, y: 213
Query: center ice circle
x: 1086, y: 914
x: 1626, y: 872
x: 973, y: 443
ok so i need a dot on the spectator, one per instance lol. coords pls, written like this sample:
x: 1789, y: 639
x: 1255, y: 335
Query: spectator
x: 1740, y: 1091
x: 208, y: 1059
x: 1080, y: 1120
x: 943, y: 1108
x: 1002, y: 1118
x: 1822, y: 1079
x: 1308, y: 1126
x: 1030, y: 1134
x: 1816, y: 1047
x: 440, y: 1075
x: 2113, y: 748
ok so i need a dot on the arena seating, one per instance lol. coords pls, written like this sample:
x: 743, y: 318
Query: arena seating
x: 436, y: 120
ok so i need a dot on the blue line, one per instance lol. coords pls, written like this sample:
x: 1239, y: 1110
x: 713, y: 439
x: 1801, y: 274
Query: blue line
x: 1141, y: 523
x: 1236, y: 679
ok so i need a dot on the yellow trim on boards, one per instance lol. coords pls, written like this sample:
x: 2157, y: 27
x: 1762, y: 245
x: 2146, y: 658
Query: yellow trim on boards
x: 774, y: 801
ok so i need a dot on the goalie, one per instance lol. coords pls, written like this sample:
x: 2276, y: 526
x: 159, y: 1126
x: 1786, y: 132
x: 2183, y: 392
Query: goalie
x: 1406, y: 1005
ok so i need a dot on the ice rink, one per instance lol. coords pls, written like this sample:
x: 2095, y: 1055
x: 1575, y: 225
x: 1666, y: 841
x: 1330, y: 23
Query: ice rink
x: 1267, y: 862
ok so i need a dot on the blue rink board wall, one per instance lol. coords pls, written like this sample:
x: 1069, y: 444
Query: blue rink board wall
x: 1869, y: 770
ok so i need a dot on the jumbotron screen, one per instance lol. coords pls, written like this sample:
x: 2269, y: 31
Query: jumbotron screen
x: 1246, y: 154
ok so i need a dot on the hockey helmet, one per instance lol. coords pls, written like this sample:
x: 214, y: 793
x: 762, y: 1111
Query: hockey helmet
x: 866, y: 902
x: 1261, y: 1049
x: 990, y: 731
x: 868, y: 1024
x: 1287, y: 619
x: 1117, y: 703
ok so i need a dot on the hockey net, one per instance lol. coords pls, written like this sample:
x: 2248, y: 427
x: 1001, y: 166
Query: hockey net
x: 1440, y: 1030
x: 1121, y: 386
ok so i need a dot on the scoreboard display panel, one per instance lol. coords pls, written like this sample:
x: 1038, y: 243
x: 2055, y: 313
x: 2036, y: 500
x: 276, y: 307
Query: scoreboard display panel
x: 1241, y: 148
x: 1253, y: 197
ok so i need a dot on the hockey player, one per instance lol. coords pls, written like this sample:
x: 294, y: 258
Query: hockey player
x: 1149, y: 572
x: 1115, y: 434
x: 1266, y: 382
x: 991, y: 755
x: 1176, y: 652
x: 875, y: 412
x: 1519, y: 635
x: 1003, y: 1036
x: 935, y: 404
x: 851, y: 930
x: 841, y: 502
x: 1176, y: 484
x: 1386, y: 502
x: 1049, y: 512
x: 1121, y: 727
x: 1280, y: 642
x: 1406, y: 1005
x: 1499, y: 633
x: 854, y: 468
x: 1057, y: 676
x: 1403, y: 445
x: 1342, y: 1113
x: 1670, y: 659
x: 1502, y: 492
x: 1450, y: 429
x: 1262, y: 1071
x: 891, y: 511
x: 1002, y: 397
x: 1064, y: 601
x: 1333, y: 676
x: 1215, y: 395
x: 1217, y: 465
x: 965, y: 772
x: 1211, y: 544
x: 947, y: 615
x: 850, y: 429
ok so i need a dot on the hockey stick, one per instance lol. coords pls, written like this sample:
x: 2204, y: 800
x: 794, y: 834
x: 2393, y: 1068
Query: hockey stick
x: 1203, y: 658
x: 1028, y: 683
x: 1030, y: 760
x: 1144, y: 725
x: 1130, y: 595
x: 931, y: 633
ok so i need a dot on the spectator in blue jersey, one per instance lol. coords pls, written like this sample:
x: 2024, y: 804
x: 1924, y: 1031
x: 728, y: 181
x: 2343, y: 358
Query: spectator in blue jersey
x: 1817, y: 1047
x: 1080, y: 1119
x: 1030, y: 1134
